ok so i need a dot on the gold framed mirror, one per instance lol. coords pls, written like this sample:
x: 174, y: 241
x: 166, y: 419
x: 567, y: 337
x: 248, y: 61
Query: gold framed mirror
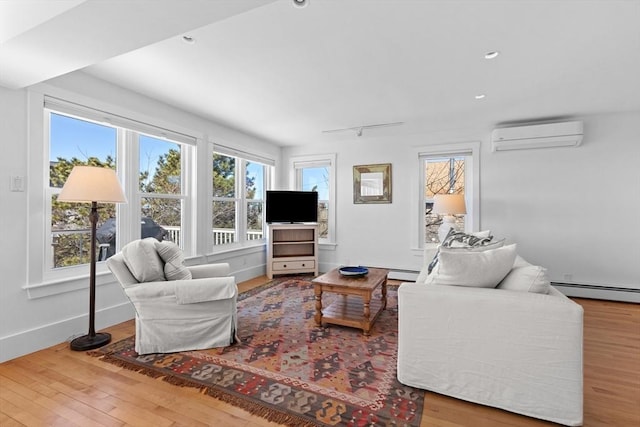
x: 372, y: 183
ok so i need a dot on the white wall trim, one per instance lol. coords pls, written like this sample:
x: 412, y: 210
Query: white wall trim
x: 54, y: 333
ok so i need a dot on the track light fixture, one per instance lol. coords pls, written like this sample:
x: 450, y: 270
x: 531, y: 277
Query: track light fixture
x: 359, y: 129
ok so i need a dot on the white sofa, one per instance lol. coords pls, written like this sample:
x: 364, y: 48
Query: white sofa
x: 514, y: 350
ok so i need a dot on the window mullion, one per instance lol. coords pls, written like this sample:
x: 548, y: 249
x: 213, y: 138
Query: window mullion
x: 241, y: 200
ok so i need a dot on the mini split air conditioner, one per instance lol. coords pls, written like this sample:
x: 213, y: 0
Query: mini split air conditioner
x: 565, y: 134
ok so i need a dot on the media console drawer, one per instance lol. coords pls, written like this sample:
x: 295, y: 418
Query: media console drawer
x: 293, y: 265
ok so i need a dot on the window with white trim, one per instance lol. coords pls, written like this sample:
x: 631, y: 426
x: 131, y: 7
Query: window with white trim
x: 443, y: 175
x: 451, y: 169
x: 317, y: 173
x: 239, y: 188
x: 150, y: 163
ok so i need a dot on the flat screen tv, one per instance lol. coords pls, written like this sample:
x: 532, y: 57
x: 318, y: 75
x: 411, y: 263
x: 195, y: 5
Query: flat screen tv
x: 291, y: 206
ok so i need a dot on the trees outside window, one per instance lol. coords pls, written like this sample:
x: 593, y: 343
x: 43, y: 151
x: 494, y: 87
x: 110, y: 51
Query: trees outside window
x: 158, y: 188
x: 443, y: 175
x: 161, y: 188
x: 74, y: 142
x: 238, y: 199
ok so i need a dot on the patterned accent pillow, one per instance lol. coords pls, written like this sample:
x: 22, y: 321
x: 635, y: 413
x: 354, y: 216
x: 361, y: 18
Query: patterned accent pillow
x: 459, y: 239
x: 173, y: 258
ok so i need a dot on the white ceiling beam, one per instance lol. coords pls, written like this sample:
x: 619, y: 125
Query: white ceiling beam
x: 85, y: 33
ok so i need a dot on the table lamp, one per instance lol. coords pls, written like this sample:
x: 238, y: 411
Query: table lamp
x: 448, y: 205
x: 91, y: 184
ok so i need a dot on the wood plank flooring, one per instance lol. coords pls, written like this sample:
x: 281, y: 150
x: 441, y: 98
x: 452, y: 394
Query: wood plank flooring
x: 60, y: 387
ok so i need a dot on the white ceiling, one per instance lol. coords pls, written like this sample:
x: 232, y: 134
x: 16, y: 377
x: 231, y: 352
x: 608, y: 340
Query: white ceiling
x: 285, y: 74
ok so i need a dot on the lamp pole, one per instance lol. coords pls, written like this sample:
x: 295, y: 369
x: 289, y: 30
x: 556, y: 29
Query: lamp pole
x: 92, y: 340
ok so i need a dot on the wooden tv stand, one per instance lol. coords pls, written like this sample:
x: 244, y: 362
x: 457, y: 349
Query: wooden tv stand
x: 291, y: 249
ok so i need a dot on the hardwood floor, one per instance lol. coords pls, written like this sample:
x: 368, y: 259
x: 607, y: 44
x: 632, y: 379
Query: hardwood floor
x: 60, y: 387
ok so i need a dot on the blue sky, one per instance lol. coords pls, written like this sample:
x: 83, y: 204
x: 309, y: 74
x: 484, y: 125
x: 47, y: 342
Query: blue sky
x: 313, y: 177
x: 77, y: 138
x: 71, y: 137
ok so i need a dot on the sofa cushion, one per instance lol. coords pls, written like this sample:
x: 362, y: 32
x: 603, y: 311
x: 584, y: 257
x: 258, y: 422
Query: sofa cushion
x: 462, y: 240
x: 484, y: 269
x: 143, y: 261
x: 528, y: 278
x: 171, y: 254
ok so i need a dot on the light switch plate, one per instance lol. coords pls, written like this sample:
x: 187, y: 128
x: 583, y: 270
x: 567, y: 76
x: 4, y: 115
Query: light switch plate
x: 17, y: 183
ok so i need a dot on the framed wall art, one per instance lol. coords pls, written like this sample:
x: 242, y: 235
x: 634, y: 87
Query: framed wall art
x: 372, y: 183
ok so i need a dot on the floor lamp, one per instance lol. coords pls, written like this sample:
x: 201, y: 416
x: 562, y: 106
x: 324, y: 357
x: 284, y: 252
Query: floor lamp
x: 448, y: 205
x: 90, y: 184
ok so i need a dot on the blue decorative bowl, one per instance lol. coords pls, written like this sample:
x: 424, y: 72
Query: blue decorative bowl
x: 353, y: 271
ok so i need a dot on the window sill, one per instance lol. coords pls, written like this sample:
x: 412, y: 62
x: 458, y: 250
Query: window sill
x: 64, y: 285
x: 226, y: 253
x: 327, y: 246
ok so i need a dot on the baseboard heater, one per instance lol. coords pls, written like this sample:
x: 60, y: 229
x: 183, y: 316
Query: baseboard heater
x: 570, y: 289
x: 598, y: 292
x: 406, y: 275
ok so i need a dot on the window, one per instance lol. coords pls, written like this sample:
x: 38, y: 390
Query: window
x: 161, y: 189
x: 443, y: 175
x: 72, y: 142
x: 157, y: 200
x: 446, y: 169
x: 317, y: 173
x: 239, y: 186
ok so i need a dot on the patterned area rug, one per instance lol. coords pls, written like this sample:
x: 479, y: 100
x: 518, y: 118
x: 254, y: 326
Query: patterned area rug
x: 289, y: 371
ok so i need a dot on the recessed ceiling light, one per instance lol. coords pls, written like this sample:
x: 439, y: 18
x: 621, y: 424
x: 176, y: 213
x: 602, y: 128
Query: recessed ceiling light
x: 188, y: 39
x: 300, y: 3
x: 491, y: 55
x: 480, y: 96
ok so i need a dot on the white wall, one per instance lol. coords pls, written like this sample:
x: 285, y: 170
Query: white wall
x: 28, y: 324
x: 574, y: 210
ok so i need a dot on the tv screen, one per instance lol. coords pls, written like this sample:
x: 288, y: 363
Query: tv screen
x: 291, y: 206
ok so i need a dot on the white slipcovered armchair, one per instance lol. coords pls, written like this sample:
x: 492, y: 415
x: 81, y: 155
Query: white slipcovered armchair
x: 194, y: 312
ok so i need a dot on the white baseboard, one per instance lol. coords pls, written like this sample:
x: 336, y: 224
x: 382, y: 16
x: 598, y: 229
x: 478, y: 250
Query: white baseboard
x: 45, y: 336
x: 599, y: 292
x: 249, y: 273
x: 405, y: 276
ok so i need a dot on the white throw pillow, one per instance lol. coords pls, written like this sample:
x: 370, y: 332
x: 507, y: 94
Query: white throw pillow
x: 459, y: 239
x: 484, y: 269
x: 520, y: 262
x: 171, y: 254
x: 529, y: 278
x: 143, y: 261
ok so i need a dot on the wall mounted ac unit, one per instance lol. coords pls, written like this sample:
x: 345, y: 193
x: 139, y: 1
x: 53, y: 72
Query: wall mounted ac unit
x: 565, y: 134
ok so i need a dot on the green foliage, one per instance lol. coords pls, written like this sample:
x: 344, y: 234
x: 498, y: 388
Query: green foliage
x: 70, y: 221
x: 74, y: 248
x: 224, y: 186
x: 166, y: 180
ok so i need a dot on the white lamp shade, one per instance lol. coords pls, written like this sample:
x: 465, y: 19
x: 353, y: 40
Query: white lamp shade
x: 92, y: 184
x: 449, y: 204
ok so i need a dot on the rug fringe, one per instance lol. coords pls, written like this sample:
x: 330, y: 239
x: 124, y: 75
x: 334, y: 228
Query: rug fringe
x: 269, y: 414
x: 253, y: 408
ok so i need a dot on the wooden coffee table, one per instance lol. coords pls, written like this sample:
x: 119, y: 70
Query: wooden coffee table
x: 354, y: 308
